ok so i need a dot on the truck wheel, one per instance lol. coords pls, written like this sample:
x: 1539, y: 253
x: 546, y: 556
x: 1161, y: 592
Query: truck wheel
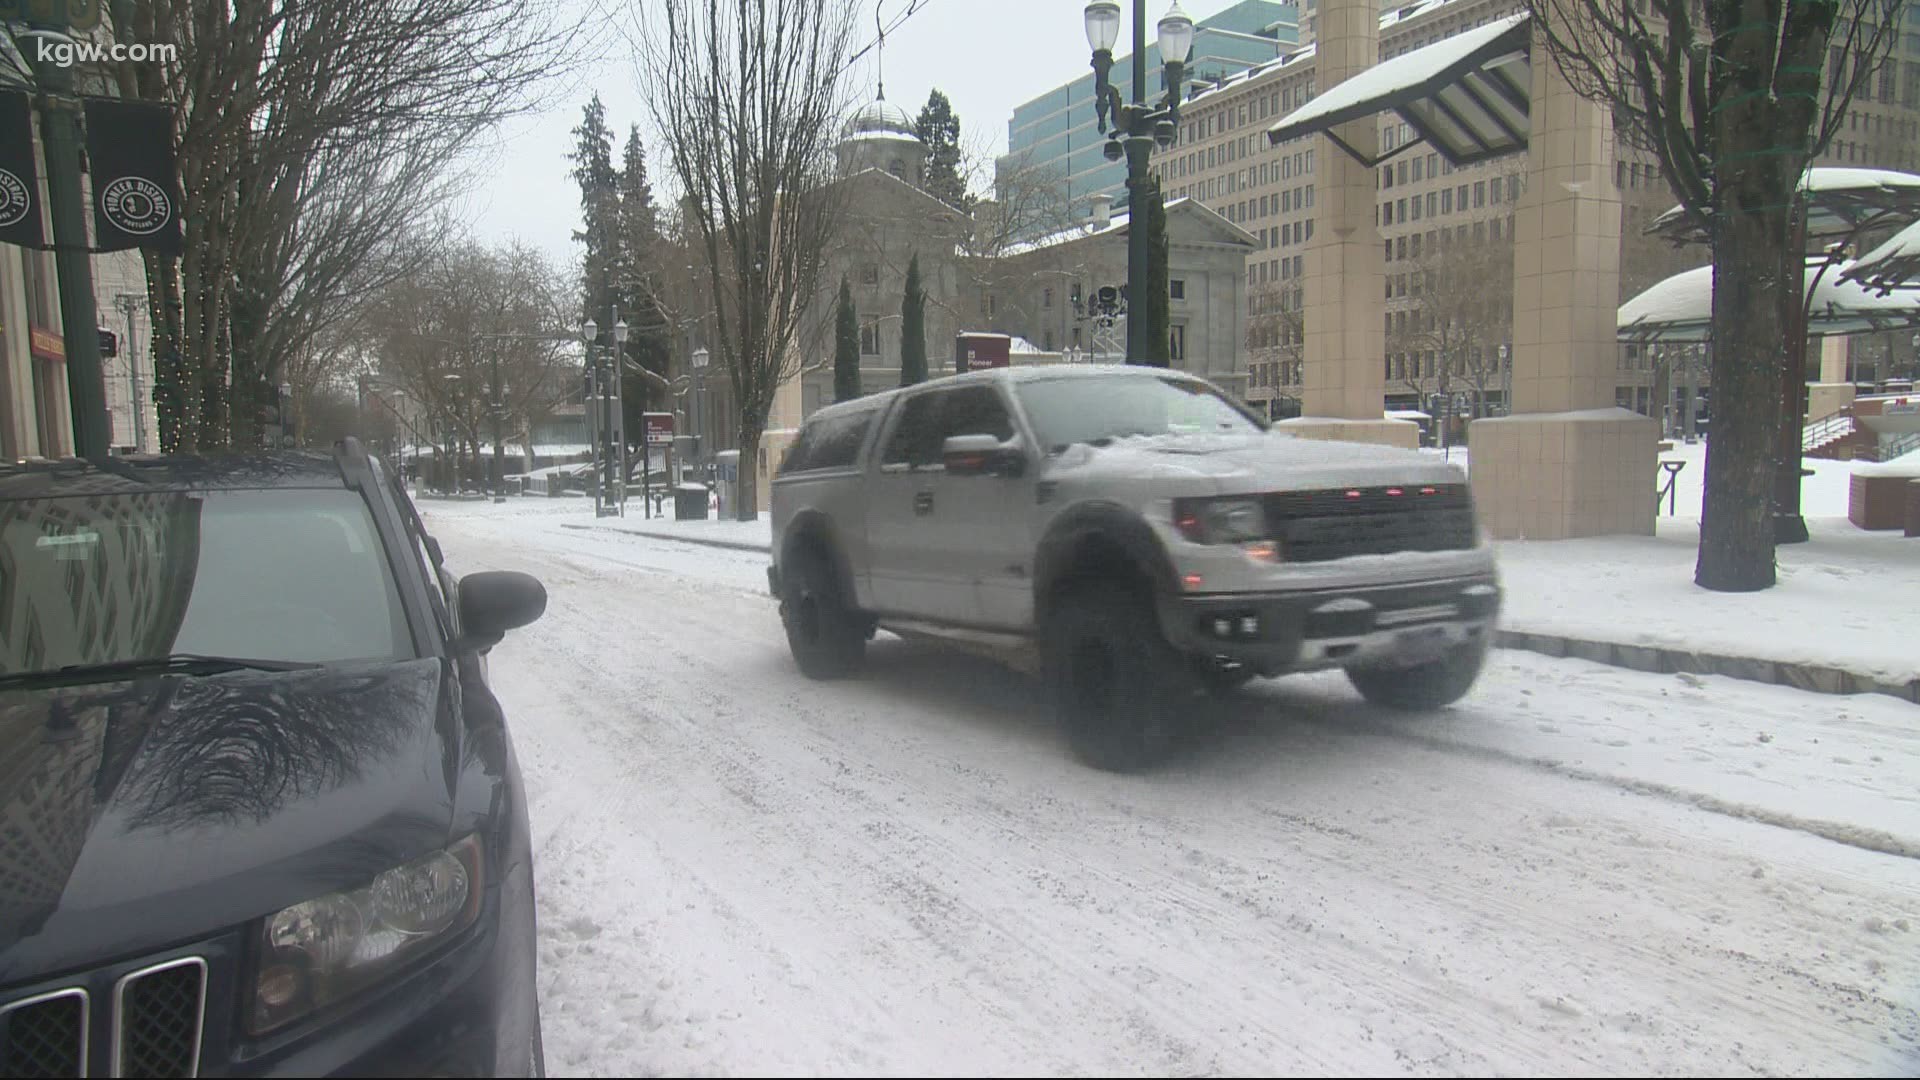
x: 1116, y: 684
x: 1423, y: 687
x: 827, y: 638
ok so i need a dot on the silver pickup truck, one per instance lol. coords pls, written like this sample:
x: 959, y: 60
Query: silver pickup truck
x: 1134, y: 536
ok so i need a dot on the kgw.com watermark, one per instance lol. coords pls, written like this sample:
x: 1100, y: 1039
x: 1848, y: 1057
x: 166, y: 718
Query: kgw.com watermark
x: 67, y: 53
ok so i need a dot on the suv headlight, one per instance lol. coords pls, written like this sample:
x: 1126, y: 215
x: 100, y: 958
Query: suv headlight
x: 321, y: 950
x: 1220, y: 521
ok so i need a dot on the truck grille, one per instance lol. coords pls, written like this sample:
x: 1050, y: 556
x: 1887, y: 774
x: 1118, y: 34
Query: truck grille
x: 158, y: 1016
x: 1316, y: 526
x: 45, y: 1036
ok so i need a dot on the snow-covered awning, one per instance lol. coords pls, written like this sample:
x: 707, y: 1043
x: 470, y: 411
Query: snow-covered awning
x: 1680, y: 309
x: 1467, y: 96
x: 1840, y: 203
x: 1893, y: 265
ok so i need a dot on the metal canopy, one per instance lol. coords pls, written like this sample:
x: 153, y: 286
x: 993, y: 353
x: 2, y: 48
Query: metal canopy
x: 1680, y: 308
x: 1841, y: 203
x: 1466, y: 96
x: 1894, y: 265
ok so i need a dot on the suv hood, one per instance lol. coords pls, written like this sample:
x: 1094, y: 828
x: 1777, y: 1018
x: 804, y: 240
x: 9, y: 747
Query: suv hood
x: 137, y: 814
x: 1244, y: 464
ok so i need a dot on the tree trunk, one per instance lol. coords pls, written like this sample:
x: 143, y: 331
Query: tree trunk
x: 1736, y: 528
x: 747, y: 506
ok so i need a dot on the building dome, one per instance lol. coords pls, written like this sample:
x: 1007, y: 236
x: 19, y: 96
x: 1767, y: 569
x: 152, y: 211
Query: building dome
x: 882, y: 117
x: 881, y: 136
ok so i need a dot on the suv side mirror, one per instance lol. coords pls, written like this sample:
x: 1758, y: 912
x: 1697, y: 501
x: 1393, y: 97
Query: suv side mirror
x: 495, y: 601
x: 983, y: 455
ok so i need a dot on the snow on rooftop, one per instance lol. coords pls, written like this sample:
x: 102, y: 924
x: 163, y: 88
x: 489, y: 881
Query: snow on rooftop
x: 1399, y: 73
x: 1680, y: 308
x: 1836, y: 181
x: 1902, y: 248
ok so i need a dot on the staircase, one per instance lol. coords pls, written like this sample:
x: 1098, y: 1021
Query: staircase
x: 1824, y: 433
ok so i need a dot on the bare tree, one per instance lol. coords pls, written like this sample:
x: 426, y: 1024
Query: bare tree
x: 479, y: 339
x: 1728, y: 97
x: 747, y: 96
x: 1466, y: 313
x: 1276, y: 333
x: 304, y: 129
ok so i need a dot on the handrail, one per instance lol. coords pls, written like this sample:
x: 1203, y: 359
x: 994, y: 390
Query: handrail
x: 1827, y: 429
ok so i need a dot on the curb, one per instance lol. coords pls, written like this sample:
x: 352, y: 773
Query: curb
x: 1814, y: 678
x: 1653, y: 659
x: 703, y: 541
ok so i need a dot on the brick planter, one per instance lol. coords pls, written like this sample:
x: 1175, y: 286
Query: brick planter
x: 1879, y: 500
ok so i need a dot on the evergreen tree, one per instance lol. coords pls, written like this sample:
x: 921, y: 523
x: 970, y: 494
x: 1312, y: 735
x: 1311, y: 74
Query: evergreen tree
x: 939, y: 129
x: 846, y: 347
x: 650, y: 337
x: 913, y: 328
x: 599, y: 231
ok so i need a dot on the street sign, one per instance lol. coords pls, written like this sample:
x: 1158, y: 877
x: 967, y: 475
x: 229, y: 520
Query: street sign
x: 659, y: 428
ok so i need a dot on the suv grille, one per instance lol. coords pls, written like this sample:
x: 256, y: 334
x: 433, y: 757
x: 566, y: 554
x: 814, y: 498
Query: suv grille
x: 45, y: 1036
x: 1315, y: 526
x: 158, y: 1014
x: 157, y: 1025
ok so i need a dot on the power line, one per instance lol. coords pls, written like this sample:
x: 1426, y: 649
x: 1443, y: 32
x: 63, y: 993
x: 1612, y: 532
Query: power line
x: 912, y: 7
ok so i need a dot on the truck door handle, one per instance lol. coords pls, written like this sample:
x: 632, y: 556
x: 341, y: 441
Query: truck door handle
x: 923, y: 503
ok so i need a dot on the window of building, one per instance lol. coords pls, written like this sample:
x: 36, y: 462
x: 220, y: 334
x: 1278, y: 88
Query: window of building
x: 1400, y: 210
x: 1389, y: 244
x: 1417, y: 163
x: 1446, y: 201
x: 1178, y: 345
x: 1177, y: 288
x: 869, y: 274
x: 1400, y: 247
x: 1460, y: 197
x: 1309, y: 228
x: 1479, y: 194
x: 1400, y: 172
x: 1413, y: 249
x: 1415, y: 216
x: 869, y: 337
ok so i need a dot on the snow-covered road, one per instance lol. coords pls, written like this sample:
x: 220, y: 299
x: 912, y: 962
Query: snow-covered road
x: 1579, y: 870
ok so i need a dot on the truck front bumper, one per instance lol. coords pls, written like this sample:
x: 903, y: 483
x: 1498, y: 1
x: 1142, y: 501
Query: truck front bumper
x: 1278, y: 632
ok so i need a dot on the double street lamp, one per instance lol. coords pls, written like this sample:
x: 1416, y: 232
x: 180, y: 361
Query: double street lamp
x: 606, y: 418
x: 1136, y: 129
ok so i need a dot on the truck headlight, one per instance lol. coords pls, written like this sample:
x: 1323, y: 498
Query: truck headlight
x: 321, y: 950
x: 1220, y: 521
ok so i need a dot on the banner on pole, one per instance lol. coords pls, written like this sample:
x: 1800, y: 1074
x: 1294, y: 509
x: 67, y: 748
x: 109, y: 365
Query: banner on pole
x: 19, y: 181
x: 136, y: 186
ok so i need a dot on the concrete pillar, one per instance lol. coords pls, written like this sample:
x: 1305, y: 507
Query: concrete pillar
x: 1834, y: 350
x: 1568, y: 461
x: 1344, y: 396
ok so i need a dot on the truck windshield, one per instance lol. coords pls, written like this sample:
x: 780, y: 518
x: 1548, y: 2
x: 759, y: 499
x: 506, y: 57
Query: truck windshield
x: 1073, y: 410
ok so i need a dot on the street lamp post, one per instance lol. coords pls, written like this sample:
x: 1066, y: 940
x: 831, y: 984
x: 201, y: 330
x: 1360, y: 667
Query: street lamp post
x: 1137, y: 128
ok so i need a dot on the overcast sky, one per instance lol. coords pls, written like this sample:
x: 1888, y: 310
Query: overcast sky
x: 987, y: 55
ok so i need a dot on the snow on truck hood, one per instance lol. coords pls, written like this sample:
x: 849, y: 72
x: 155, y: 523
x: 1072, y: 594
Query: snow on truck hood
x: 1266, y: 462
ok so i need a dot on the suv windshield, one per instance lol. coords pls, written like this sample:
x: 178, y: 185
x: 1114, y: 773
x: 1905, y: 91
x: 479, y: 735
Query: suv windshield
x: 1068, y: 411
x: 295, y: 576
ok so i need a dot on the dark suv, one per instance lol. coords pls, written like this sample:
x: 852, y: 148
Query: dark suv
x: 259, y: 811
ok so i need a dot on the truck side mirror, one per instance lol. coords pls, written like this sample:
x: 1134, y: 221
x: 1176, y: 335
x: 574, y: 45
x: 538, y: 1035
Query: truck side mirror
x: 983, y: 455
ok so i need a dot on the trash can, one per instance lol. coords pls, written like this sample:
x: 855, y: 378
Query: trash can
x: 690, y: 502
